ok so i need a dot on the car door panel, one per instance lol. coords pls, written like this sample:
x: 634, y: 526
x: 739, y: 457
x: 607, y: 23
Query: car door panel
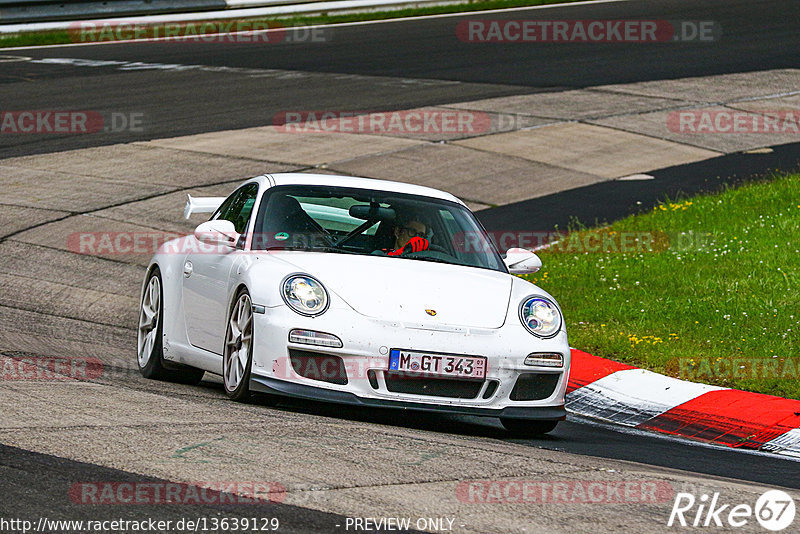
x: 207, y: 276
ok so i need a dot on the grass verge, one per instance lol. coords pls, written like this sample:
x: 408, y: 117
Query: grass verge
x: 717, y: 299
x: 64, y: 37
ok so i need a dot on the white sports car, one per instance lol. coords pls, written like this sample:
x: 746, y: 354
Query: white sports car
x: 355, y: 291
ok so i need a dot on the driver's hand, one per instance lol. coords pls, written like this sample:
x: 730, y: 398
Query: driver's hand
x: 415, y: 244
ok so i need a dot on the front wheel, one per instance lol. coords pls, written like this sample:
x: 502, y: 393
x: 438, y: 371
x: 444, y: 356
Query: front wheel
x: 527, y: 427
x: 238, y: 353
x: 149, y: 346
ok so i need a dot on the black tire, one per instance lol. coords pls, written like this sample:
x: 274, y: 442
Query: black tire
x: 154, y: 368
x: 241, y: 392
x: 527, y: 427
x: 191, y: 376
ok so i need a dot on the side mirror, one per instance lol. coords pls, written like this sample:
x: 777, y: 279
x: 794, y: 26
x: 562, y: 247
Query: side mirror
x: 521, y: 261
x: 217, y: 232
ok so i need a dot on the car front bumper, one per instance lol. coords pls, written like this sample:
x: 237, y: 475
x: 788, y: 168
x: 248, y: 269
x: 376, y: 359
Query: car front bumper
x: 273, y: 386
x: 366, y: 346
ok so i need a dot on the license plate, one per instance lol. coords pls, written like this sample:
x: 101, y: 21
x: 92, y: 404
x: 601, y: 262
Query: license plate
x: 450, y: 365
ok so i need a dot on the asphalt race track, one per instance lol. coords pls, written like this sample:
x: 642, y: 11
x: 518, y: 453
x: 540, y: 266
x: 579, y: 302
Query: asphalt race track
x: 336, y: 462
x: 418, y: 63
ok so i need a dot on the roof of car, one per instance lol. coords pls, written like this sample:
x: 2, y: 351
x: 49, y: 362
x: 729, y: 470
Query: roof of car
x: 291, y: 178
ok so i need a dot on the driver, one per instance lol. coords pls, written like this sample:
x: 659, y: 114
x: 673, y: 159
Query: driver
x: 410, y: 236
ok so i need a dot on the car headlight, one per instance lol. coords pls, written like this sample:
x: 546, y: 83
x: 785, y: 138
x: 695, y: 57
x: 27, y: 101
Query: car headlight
x: 305, y: 294
x: 540, y: 316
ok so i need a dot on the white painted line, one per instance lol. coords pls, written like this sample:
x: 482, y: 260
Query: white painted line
x: 228, y: 15
x: 239, y: 4
x: 13, y: 59
x: 636, y: 177
x: 633, y: 396
x: 787, y: 444
x: 277, y: 74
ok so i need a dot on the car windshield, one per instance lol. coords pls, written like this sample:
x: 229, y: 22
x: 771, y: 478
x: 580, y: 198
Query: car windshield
x: 372, y: 222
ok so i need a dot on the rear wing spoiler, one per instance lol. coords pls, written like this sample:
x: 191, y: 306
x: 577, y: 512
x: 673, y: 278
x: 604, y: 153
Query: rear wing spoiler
x: 201, y: 205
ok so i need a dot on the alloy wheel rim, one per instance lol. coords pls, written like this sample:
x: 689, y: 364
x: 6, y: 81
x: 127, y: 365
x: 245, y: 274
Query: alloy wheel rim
x: 238, y: 342
x: 149, y: 316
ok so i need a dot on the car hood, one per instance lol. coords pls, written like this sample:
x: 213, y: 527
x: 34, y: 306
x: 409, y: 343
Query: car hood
x: 398, y: 289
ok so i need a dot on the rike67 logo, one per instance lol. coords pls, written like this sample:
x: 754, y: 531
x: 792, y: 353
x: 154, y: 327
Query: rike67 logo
x: 774, y: 510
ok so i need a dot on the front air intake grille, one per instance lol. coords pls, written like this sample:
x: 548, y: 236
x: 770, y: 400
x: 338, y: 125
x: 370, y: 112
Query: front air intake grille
x: 434, y: 387
x: 373, y: 379
x: 490, y: 389
x: 322, y: 367
x: 534, y: 386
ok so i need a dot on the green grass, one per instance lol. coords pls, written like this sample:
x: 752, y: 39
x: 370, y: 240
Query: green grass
x: 34, y: 39
x: 63, y: 37
x: 723, y: 309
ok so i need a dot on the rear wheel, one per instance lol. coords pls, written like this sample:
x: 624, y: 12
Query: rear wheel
x: 238, y: 353
x: 527, y: 427
x: 150, y: 353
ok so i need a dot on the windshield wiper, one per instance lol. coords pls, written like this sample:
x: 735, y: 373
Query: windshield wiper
x: 435, y: 260
x: 312, y: 249
x: 331, y: 249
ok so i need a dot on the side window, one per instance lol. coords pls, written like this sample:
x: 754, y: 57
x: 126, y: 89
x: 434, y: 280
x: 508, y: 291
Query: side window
x: 238, y: 207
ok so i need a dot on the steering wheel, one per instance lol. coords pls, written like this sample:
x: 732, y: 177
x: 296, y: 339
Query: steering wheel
x: 437, y: 248
x: 431, y: 248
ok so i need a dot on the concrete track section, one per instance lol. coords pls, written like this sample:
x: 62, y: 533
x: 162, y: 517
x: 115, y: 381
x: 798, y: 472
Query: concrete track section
x: 490, y: 152
x: 69, y: 307
x: 75, y: 409
x: 187, y: 88
x: 62, y: 483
